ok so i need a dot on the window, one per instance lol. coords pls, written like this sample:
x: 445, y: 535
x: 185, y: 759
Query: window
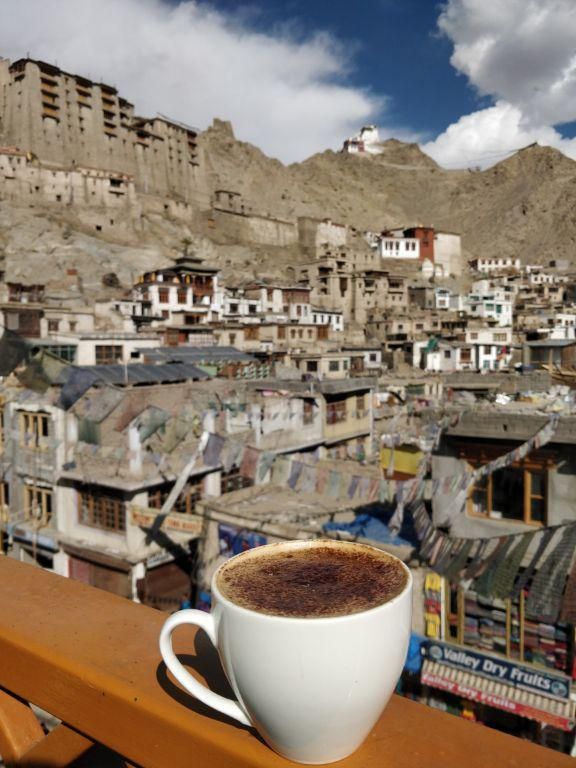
x: 233, y: 309
x: 108, y: 354
x: 281, y: 332
x: 535, y: 491
x: 373, y: 357
x: 185, y: 503
x: 233, y: 481
x: 308, y: 412
x: 360, y: 406
x: 312, y: 366
x: 336, y: 411
x: 72, y: 325
x: 98, y: 509
x: 163, y: 295
x: 501, y: 337
x: 34, y: 429
x: 53, y: 326
x: 65, y: 352
x: 474, y: 336
x: 4, y: 501
x: 334, y: 365
x: 447, y: 354
x: 182, y: 295
x: 37, y: 504
x: 512, y: 493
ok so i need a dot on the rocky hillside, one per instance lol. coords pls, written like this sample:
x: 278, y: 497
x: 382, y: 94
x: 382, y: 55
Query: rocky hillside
x: 523, y: 206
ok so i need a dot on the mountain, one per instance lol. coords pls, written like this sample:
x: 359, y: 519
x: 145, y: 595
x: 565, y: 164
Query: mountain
x: 524, y: 206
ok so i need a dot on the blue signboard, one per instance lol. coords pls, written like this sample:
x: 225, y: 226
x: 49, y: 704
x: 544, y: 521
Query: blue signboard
x: 502, y: 670
x: 233, y: 540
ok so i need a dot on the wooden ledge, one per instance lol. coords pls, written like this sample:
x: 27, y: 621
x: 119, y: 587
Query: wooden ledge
x: 91, y: 659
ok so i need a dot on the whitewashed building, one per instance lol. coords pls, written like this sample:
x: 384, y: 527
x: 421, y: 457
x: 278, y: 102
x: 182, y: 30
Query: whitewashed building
x: 500, y: 264
x: 442, y: 298
x: 332, y: 317
x: 490, y: 348
x: 392, y: 247
x: 188, y: 287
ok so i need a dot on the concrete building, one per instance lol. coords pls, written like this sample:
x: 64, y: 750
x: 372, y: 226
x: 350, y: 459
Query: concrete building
x: 101, y: 347
x: 353, y: 283
x: 489, y: 306
x: 281, y: 303
x: 490, y: 348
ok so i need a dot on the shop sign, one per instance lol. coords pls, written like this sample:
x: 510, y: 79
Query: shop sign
x: 159, y: 558
x: 173, y: 522
x: 499, y: 702
x: 501, y: 670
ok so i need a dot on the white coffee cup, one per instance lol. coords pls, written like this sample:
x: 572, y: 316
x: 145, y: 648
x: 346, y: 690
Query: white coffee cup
x: 312, y: 687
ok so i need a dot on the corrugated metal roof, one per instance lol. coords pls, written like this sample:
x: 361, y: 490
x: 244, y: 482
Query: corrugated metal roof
x: 136, y: 373
x: 198, y: 354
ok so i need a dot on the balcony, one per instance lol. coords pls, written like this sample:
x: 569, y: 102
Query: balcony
x: 91, y: 659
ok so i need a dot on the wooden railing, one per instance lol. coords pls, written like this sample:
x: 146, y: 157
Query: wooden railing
x: 91, y: 659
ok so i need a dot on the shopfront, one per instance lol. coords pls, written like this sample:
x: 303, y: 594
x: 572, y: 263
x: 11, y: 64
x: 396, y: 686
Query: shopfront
x: 485, y: 660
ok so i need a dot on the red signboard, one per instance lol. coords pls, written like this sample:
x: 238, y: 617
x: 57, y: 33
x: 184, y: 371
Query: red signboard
x: 499, y: 702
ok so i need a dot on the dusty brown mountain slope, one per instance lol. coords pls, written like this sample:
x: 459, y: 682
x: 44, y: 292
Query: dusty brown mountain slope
x: 523, y: 206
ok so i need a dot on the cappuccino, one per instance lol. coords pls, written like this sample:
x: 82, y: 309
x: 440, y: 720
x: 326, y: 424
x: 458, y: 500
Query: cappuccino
x: 318, y: 579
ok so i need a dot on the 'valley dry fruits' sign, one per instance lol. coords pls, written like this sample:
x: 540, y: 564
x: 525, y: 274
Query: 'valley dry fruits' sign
x: 502, y: 670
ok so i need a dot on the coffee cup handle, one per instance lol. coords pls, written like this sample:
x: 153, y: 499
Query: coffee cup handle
x: 206, y: 622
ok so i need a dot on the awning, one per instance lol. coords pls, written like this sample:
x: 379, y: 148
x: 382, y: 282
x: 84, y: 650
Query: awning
x: 534, y: 706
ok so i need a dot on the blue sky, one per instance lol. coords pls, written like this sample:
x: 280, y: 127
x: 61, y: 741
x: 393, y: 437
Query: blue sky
x: 397, y: 51
x: 470, y: 80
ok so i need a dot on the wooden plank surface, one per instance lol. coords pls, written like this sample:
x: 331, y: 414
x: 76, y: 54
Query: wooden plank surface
x: 92, y: 659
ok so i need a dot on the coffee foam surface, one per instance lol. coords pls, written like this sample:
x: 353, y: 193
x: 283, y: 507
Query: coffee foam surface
x: 312, y: 581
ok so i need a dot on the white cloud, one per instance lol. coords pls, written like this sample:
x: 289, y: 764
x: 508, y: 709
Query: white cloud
x: 521, y: 53
x: 285, y: 94
x: 487, y: 136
